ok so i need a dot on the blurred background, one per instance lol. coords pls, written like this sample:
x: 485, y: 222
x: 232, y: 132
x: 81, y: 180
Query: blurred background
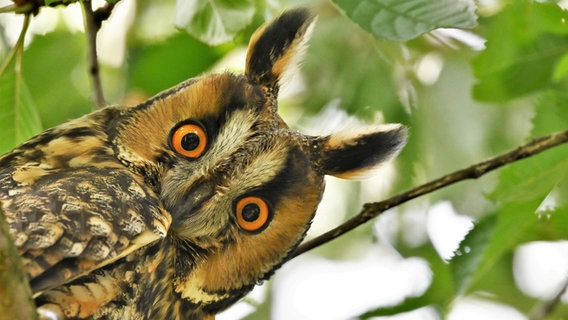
x: 403, y: 264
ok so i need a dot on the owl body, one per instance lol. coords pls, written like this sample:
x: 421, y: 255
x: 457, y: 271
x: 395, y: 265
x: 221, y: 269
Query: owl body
x: 177, y: 207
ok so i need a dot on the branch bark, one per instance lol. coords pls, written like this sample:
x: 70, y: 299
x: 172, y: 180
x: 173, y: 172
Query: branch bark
x: 93, y: 21
x: 372, y: 210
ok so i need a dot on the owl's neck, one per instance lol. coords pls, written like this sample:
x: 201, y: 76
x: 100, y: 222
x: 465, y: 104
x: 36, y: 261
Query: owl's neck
x: 169, y: 289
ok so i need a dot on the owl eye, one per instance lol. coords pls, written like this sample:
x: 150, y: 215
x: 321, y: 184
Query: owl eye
x: 252, y: 213
x: 189, y: 140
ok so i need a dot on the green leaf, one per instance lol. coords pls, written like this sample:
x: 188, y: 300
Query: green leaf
x: 471, y: 252
x: 213, y: 21
x: 514, y: 221
x: 535, y: 177
x: 525, y: 59
x: 28, y: 121
x: 551, y: 113
x: 553, y: 225
x: 561, y: 69
x: 517, y: 223
x: 19, y: 118
x: 403, y: 20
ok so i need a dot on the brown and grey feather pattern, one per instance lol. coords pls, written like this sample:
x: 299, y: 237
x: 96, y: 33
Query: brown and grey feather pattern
x: 72, y: 210
x: 177, y: 207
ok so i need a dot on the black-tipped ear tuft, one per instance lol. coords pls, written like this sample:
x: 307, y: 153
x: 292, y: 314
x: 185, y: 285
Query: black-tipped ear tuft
x: 353, y: 154
x: 273, y: 48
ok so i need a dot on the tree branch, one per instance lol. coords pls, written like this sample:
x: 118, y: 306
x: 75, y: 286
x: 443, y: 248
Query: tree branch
x: 18, y: 47
x: 103, y: 13
x: 92, y: 25
x: 372, y: 210
x: 33, y: 6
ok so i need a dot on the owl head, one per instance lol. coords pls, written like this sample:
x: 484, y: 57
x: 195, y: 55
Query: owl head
x: 240, y: 185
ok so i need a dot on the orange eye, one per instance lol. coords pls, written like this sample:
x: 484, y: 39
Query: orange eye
x: 189, y: 140
x: 252, y: 213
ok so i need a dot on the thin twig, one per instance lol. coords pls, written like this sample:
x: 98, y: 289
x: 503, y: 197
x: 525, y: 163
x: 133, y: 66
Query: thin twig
x: 372, y: 210
x: 18, y: 83
x: 103, y: 13
x: 18, y: 46
x: 14, y: 8
x: 547, y: 307
x: 92, y: 27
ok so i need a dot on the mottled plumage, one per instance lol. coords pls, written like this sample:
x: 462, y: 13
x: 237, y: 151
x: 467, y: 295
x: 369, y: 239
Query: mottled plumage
x: 177, y: 207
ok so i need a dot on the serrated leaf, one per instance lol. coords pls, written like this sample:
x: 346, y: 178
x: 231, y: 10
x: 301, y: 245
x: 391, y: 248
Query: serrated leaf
x: 545, y: 172
x: 553, y: 213
x: 517, y: 223
x: 471, y: 252
x: 532, y: 178
x: 525, y: 59
x: 213, y: 21
x: 535, y: 177
x: 551, y: 113
x: 402, y: 20
x: 554, y: 224
x: 19, y: 119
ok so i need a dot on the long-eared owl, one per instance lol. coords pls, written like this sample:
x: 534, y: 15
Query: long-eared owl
x: 175, y: 208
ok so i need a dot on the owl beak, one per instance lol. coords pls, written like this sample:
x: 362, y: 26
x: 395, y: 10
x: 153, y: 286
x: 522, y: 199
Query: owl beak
x: 200, y: 193
x: 197, y: 195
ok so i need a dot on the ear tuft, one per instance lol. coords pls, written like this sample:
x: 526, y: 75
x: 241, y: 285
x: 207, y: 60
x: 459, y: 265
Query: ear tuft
x: 275, y: 46
x: 355, y: 153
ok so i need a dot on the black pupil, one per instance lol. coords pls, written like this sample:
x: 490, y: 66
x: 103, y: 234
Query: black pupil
x: 190, y: 141
x: 251, y: 212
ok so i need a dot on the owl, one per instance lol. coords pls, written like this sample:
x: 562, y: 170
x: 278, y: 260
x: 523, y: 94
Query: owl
x: 175, y: 208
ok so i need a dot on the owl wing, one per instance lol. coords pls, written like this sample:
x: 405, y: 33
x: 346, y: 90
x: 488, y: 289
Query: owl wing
x: 69, y: 222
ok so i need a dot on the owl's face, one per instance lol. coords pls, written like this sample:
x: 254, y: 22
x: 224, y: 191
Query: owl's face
x: 177, y: 207
x: 230, y: 172
x: 239, y: 184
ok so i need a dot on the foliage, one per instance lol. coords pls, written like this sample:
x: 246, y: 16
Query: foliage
x: 534, y: 51
x: 464, y: 103
x: 19, y: 118
x: 214, y: 22
x: 404, y: 20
